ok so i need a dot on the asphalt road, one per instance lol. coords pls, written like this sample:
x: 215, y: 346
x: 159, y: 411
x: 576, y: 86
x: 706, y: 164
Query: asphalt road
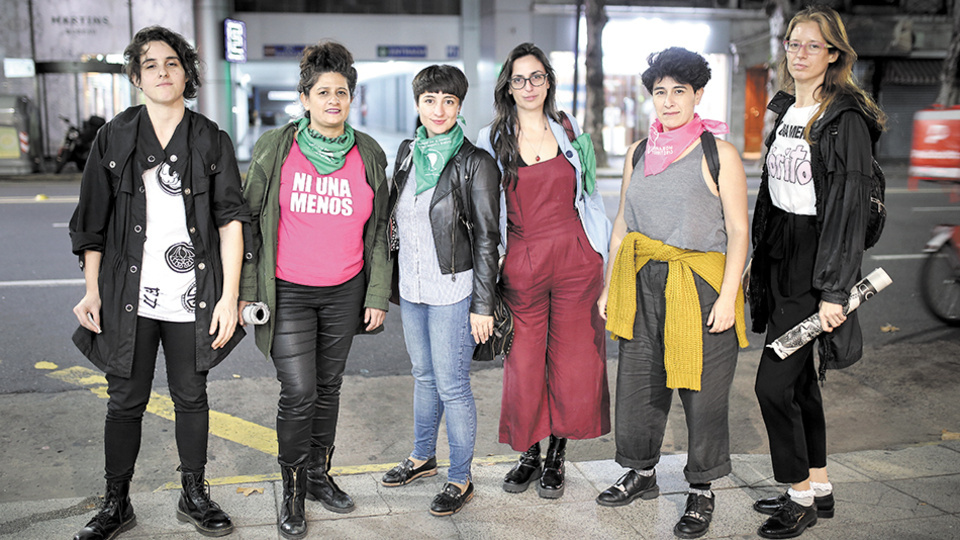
x: 51, y: 441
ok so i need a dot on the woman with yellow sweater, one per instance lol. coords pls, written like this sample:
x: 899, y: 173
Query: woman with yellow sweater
x: 672, y: 293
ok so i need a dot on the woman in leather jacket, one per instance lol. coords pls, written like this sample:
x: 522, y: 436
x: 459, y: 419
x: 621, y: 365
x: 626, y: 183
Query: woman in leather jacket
x: 443, y: 228
x: 808, y: 234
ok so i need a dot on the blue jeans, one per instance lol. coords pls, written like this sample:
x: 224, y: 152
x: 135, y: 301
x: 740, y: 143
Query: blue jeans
x: 441, y: 348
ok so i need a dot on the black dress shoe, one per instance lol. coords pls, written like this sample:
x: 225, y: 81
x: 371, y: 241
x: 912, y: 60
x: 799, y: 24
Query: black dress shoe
x: 772, y: 504
x: 789, y: 521
x: 525, y: 471
x: 552, y: 484
x: 696, y: 518
x: 450, y: 500
x: 630, y: 486
x: 406, y: 472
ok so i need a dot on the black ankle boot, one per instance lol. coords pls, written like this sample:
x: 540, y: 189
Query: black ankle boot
x: 320, y: 485
x: 293, y: 519
x: 196, y: 507
x: 524, y: 472
x: 115, y: 515
x: 551, y: 481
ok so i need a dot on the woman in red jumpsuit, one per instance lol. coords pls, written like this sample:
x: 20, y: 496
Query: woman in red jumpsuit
x: 557, y: 237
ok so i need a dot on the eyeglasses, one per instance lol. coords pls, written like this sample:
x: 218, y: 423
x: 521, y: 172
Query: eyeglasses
x: 813, y: 47
x: 537, y: 79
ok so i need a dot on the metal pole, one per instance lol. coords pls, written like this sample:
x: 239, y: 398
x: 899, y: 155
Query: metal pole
x: 576, y: 55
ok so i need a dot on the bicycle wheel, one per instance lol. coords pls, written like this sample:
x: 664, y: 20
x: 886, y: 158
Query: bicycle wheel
x: 940, y: 284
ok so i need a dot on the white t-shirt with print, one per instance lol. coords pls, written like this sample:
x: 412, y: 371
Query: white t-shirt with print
x: 790, y: 178
x: 168, y: 286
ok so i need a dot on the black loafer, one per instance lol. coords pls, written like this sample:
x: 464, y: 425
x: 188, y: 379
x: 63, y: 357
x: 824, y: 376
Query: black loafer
x: 696, y: 518
x: 770, y: 505
x: 406, y: 472
x: 450, y: 500
x: 789, y: 521
x: 630, y: 486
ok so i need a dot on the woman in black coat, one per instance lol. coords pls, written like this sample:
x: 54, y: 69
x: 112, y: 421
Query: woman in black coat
x: 809, y: 228
x: 158, y: 230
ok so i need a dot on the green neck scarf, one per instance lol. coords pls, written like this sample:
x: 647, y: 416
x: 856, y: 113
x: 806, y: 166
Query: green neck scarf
x: 326, y: 154
x: 430, y: 155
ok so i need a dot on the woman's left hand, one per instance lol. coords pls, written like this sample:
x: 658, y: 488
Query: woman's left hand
x: 831, y: 316
x: 224, y: 321
x: 481, y: 326
x: 722, y: 316
x: 374, y: 318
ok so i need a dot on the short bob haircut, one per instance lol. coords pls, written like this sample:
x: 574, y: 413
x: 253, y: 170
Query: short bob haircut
x: 442, y: 80
x: 187, y: 55
x: 326, y: 57
x: 683, y: 66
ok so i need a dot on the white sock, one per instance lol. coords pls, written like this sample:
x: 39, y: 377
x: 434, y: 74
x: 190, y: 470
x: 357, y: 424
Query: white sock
x: 705, y: 492
x: 803, y: 498
x: 646, y: 473
x: 821, y: 489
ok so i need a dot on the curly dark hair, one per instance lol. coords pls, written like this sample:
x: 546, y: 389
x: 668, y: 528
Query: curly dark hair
x: 685, y: 67
x: 187, y: 55
x: 326, y: 57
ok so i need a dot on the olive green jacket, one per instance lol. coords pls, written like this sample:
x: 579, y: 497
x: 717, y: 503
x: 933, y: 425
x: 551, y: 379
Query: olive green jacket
x: 261, y: 189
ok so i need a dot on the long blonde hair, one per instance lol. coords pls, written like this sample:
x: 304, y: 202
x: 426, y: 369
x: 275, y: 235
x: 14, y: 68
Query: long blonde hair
x: 838, y: 80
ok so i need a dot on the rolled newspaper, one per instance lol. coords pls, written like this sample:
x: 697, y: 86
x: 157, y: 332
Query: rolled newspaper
x: 255, y: 313
x: 810, y: 328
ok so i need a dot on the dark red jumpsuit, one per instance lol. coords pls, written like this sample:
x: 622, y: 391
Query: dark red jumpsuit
x: 555, y: 377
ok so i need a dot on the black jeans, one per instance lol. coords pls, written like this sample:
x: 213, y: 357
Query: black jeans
x: 787, y: 390
x: 129, y: 397
x: 643, y: 399
x: 312, y: 338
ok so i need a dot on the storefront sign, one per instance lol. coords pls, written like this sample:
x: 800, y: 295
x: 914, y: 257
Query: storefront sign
x: 235, y: 40
x: 283, y: 51
x: 401, y: 51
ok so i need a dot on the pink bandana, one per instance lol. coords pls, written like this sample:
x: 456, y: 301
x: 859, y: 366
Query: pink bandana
x: 663, y: 147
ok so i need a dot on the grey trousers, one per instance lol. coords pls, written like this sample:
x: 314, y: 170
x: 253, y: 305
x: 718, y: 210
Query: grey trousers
x: 643, y: 399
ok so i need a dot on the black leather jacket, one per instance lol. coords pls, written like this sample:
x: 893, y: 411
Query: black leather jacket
x: 841, y: 166
x: 475, y: 174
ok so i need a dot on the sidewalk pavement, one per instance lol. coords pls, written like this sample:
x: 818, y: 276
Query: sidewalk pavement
x: 912, y: 493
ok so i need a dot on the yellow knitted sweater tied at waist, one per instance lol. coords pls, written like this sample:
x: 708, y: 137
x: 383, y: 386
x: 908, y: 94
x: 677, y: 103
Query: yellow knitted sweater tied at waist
x: 682, y: 327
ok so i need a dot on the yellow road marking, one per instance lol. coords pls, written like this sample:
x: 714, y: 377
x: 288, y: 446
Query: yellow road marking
x: 222, y: 425
x: 336, y: 471
x: 34, y: 200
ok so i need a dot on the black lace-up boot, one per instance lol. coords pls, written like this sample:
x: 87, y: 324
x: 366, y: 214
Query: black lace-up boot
x: 115, y: 515
x: 196, y: 507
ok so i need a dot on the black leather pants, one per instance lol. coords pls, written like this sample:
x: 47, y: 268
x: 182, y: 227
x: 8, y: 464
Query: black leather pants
x: 314, y: 331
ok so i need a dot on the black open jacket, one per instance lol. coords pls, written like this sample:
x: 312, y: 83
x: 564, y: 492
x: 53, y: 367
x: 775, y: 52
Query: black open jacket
x: 841, y: 165
x: 454, y: 227
x: 111, y: 218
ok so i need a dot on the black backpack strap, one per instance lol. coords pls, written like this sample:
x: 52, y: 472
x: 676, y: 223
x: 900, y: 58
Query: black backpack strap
x: 712, y: 154
x: 638, y: 152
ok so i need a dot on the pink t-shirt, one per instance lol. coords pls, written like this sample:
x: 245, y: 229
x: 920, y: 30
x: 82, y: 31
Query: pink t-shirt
x: 320, y: 235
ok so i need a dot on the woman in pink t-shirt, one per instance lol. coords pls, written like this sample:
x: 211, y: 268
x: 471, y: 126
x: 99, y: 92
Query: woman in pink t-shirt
x: 319, y: 261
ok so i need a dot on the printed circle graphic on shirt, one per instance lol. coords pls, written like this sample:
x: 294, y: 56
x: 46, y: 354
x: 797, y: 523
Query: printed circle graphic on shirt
x: 168, y: 179
x: 179, y: 257
x: 189, y: 298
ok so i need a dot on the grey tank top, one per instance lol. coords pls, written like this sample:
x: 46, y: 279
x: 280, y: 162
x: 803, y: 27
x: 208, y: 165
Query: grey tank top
x: 676, y: 206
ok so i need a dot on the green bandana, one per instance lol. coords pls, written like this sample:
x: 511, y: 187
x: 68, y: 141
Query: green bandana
x: 326, y: 154
x: 430, y: 155
x: 588, y: 161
